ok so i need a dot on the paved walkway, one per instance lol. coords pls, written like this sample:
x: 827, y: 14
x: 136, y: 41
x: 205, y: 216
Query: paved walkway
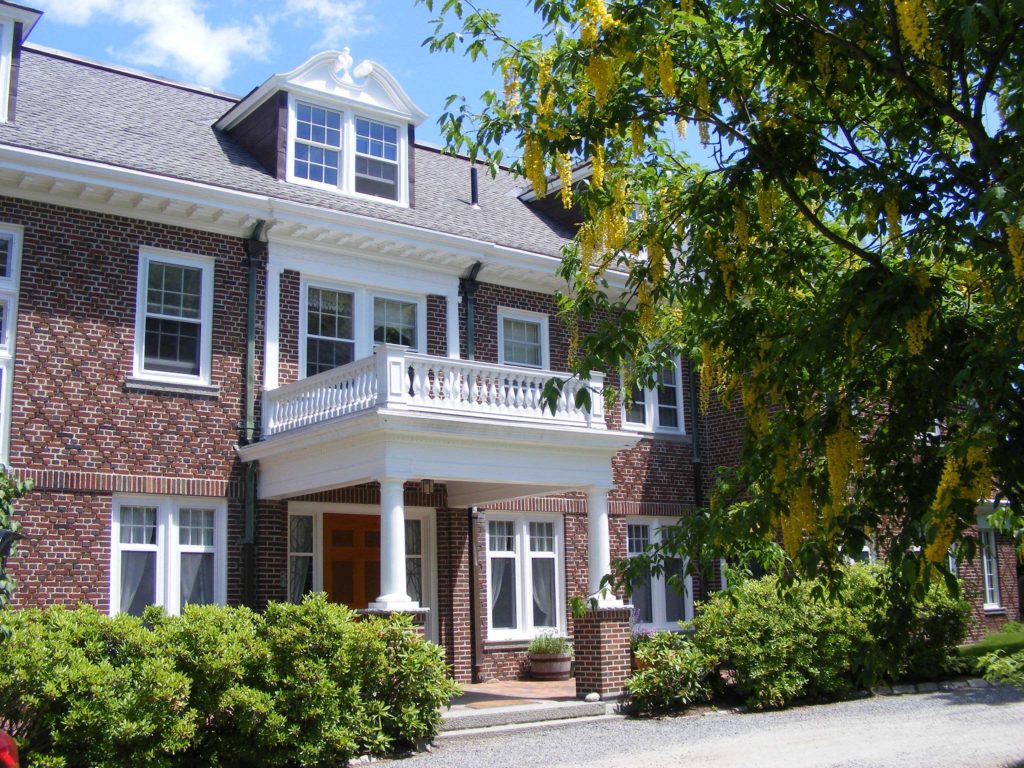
x: 963, y: 728
x: 484, y: 705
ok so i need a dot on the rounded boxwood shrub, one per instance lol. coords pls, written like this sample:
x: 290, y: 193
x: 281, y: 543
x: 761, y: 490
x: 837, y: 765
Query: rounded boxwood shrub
x: 301, y: 685
x: 672, y: 673
x: 781, y: 646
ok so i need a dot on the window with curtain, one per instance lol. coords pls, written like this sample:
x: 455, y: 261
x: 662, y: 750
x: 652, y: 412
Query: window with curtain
x: 989, y: 567
x: 661, y: 600
x: 300, y: 557
x: 168, y: 552
x: 524, y: 574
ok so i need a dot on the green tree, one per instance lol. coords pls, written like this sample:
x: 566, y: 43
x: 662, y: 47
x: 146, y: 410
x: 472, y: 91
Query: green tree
x: 11, y: 489
x: 849, y: 265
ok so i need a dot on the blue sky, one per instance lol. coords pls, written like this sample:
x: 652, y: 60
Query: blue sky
x: 234, y: 45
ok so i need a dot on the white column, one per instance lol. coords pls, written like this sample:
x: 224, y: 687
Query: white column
x: 453, y: 325
x: 599, y: 559
x: 393, y: 595
x: 271, y: 357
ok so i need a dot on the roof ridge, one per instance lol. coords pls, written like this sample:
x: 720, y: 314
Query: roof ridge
x: 129, y: 72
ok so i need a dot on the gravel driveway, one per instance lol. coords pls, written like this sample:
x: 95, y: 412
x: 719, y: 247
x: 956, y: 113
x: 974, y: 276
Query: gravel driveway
x: 971, y: 727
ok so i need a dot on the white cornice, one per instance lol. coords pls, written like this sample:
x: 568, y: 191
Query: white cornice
x: 17, y: 13
x: 43, y: 177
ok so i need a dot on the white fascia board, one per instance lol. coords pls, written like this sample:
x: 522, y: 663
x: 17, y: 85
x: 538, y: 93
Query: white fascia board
x: 88, y: 172
x: 20, y: 14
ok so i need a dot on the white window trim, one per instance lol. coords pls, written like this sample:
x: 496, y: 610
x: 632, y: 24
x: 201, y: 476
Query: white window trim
x: 522, y: 315
x: 659, y: 583
x: 6, y: 60
x: 651, y: 419
x: 346, y: 173
x: 204, y: 263
x: 524, y: 580
x: 9, y: 287
x: 989, y: 571
x: 362, y: 316
x: 168, y: 549
x: 427, y: 517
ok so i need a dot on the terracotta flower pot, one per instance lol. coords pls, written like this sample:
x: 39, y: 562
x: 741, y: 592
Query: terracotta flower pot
x: 550, y: 666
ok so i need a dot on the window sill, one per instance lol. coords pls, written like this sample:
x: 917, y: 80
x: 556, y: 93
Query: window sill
x: 506, y: 645
x: 654, y: 434
x: 994, y: 610
x: 134, y: 384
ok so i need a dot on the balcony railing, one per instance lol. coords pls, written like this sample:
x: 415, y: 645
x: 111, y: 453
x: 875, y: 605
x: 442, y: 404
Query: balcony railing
x: 398, y: 379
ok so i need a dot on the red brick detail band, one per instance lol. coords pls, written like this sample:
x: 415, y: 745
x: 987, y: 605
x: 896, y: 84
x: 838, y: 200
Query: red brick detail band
x: 105, y: 482
x: 601, y: 641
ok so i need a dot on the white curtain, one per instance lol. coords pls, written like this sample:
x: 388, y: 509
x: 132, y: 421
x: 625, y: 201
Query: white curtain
x: 138, y: 581
x: 543, y: 571
x: 196, y: 578
x: 503, y: 597
x: 300, y: 571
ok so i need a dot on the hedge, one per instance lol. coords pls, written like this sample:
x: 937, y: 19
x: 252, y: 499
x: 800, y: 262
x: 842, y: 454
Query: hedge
x: 300, y: 685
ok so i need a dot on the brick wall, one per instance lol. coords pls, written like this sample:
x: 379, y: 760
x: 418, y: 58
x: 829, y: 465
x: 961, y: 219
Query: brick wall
x: 78, y: 429
x: 603, y: 656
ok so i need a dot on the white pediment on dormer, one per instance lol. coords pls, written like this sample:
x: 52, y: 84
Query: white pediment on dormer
x: 333, y: 77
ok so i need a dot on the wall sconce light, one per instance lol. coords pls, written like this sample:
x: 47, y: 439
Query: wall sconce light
x: 426, y: 486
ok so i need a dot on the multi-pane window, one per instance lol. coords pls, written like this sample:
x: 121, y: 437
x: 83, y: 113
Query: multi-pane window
x: 522, y: 338
x: 524, y: 576
x: 376, y: 159
x: 664, y: 599
x: 394, y: 321
x: 658, y: 408
x: 10, y: 259
x: 174, y: 317
x: 317, y: 144
x: 989, y: 567
x: 330, y: 329
x: 167, y: 552
x: 521, y: 343
x: 7, y: 246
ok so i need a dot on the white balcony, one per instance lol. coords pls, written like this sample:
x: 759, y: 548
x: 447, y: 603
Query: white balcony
x: 396, y: 379
x: 480, y: 429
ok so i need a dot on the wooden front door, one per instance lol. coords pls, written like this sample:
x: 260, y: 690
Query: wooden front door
x: 352, y: 559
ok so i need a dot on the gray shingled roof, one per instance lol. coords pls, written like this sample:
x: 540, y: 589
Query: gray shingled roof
x: 75, y: 108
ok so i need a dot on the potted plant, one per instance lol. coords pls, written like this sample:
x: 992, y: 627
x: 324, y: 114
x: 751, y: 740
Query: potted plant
x: 550, y: 657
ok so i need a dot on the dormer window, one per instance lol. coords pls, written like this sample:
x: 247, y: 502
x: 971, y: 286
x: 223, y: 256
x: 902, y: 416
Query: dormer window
x: 331, y: 125
x: 317, y: 144
x: 323, y: 152
x: 376, y: 159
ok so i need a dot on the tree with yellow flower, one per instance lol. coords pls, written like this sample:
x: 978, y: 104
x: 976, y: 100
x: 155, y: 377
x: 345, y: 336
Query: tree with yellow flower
x: 848, y: 269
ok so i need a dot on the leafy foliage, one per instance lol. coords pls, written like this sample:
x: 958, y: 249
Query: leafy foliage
x: 849, y: 264
x: 672, y: 673
x: 11, y: 489
x: 1000, y: 667
x: 550, y: 644
x: 300, y: 685
x: 782, y: 644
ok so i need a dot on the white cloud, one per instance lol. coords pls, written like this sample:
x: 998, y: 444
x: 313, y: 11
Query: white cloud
x: 337, y: 20
x: 175, y: 34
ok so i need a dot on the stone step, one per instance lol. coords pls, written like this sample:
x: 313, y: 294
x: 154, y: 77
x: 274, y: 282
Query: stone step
x: 461, y: 718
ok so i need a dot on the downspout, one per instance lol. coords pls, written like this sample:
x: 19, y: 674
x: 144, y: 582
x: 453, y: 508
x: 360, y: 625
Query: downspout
x: 698, y: 489
x: 468, y: 285
x: 254, y: 253
x: 475, y: 641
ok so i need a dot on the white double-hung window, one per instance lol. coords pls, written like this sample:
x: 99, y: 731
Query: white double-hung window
x: 174, y: 317
x: 522, y: 338
x: 526, y: 593
x: 658, y: 408
x: 661, y: 601
x: 169, y: 552
x: 10, y: 268
x: 989, y: 567
x: 347, y: 151
x: 341, y: 324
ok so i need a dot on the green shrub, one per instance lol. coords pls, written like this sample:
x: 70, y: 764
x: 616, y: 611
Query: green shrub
x: 782, y: 647
x: 301, y: 685
x: 223, y: 653
x: 78, y: 688
x: 1000, y: 667
x: 939, y: 624
x: 672, y: 672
